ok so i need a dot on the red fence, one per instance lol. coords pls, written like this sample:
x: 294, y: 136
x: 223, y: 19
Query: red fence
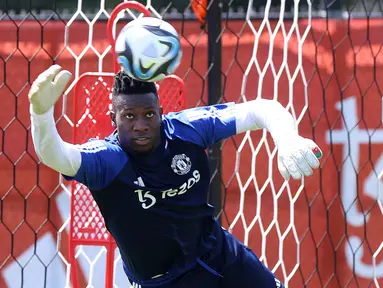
x: 335, y: 83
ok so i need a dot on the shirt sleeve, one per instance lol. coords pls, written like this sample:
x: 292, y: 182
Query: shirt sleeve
x: 57, y: 154
x: 101, y: 162
x: 203, y: 126
x: 265, y: 114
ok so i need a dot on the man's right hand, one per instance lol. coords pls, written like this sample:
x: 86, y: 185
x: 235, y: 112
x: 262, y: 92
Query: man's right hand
x: 47, y: 88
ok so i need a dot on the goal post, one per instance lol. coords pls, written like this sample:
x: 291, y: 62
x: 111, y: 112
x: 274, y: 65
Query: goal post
x: 324, y: 66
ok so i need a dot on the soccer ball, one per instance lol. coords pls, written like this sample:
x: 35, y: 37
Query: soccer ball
x: 148, y: 49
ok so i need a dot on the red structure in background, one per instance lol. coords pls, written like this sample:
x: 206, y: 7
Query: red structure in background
x: 334, y: 84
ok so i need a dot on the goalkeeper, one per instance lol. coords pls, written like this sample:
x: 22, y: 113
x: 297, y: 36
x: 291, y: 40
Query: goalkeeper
x: 150, y: 179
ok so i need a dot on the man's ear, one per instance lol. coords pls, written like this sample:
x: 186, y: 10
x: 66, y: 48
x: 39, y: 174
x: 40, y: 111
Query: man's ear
x: 161, y: 111
x: 113, y: 118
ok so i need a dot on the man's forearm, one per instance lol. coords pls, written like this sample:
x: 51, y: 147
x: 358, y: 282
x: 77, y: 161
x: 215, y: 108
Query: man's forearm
x: 50, y: 148
x: 268, y: 114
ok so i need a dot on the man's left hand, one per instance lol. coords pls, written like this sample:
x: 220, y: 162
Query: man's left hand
x: 297, y: 157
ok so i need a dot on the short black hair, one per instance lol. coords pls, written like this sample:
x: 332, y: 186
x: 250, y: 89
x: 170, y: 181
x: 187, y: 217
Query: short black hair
x: 124, y: 84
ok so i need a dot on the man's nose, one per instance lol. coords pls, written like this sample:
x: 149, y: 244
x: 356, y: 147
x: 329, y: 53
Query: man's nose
x: 140, y: 125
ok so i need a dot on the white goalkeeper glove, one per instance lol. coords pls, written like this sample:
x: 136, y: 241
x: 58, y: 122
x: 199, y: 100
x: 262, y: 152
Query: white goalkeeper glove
x: 297, y: 157
x: 47, y: 88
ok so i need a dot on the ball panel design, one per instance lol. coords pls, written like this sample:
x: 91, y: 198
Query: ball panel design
x: 148, y: 49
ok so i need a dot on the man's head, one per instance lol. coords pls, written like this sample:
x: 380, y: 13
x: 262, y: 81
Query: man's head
x: 136, y: 114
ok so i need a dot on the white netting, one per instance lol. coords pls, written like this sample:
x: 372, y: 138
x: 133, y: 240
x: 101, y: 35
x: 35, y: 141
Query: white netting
x: 292, y: 71
x: 255, y: 67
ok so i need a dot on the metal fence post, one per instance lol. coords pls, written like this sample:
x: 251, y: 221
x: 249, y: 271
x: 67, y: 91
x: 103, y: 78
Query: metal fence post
x: 214, y: 96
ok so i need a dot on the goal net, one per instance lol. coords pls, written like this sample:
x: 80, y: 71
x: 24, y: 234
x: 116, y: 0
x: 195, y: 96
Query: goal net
x: 322, y: 60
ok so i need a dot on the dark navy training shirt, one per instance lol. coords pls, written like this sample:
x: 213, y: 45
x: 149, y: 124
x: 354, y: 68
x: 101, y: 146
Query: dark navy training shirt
x: 156, y: 207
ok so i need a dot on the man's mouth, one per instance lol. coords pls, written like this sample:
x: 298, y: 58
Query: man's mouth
x: 141, y: 140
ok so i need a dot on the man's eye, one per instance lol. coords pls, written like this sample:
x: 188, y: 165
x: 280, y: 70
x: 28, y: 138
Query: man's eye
x: 149, y: 114
x: 129, y: 116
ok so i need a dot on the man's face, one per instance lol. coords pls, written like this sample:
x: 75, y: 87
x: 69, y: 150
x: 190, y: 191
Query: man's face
x: 138, y: 121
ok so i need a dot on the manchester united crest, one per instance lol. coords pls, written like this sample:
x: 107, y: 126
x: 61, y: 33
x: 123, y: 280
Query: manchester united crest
x: 181, y: 164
